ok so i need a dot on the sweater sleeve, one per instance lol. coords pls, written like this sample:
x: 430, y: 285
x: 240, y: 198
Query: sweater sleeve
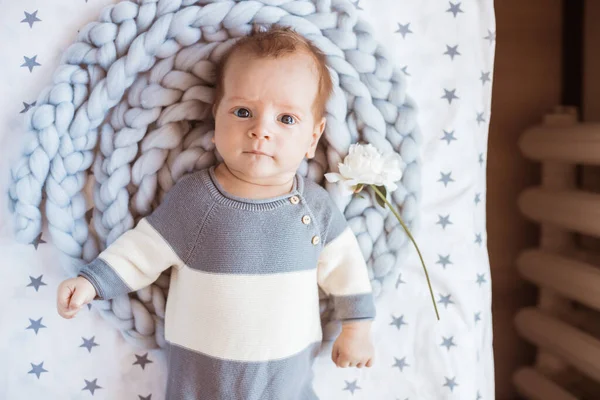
x: 342, y: 272
x: 138, y: 257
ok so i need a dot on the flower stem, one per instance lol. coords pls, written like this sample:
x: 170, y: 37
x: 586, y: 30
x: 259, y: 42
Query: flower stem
x: 414, y: 242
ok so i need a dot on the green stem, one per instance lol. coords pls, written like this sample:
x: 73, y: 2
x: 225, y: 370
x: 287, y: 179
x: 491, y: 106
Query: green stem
x: 414, y: 242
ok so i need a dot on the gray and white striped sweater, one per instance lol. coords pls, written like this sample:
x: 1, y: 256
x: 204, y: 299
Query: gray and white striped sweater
x: 242, y: 318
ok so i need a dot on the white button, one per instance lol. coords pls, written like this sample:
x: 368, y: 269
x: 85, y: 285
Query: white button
x: 306, y: 220
x: 294, y: 200
x: 316, y: 240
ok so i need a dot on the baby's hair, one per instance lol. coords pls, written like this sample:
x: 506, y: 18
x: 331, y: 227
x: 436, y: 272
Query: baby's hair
x: 278, y: 41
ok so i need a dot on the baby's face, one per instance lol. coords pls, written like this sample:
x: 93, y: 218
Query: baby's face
x: 264, y: 124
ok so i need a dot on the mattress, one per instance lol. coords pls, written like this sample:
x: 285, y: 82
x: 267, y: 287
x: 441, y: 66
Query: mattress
x: 446, y: 53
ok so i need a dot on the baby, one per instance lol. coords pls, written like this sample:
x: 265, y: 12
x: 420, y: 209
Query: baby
x: 250, y: 241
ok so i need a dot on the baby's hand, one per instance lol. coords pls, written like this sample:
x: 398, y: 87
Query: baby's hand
x: 354, y: 346
x: 72, y: 295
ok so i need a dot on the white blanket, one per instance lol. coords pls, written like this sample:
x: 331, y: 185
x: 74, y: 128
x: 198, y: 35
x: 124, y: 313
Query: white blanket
x: 447, y: 51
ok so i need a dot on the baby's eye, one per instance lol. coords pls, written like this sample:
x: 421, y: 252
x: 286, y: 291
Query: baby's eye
x: 288, y: 119
x: 242, y: 112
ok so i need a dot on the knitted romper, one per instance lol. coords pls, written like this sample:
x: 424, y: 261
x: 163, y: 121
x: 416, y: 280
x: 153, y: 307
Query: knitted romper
x: 242, y: 319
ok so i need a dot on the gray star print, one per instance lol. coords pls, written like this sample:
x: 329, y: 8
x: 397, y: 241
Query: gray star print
x: 491, y: 36
x: 91, y: 385
x: 477, y: 198
x: 446, y: 178
x: 477, y: 316
x: 481, y: 159
x: 450, y: 95
x: 37, y: 369
x: 404, y: 29
x: 36, y: 325
x: 31, y: 18
x: 36, y: 282
x: 480, y: 118
x: 37, y: 241
x: 352, y: 386
x: 454, y: 9
x: 30, y: 63
x: 398, y: 322
x: 451, y: 383
x: 444, y: 220
x: 444, y: 260
x: 485, y: 77
x: 448, y: 136
x: 399, y: 280
x: 448, y: 342
x: 400, y: 363
x: 26, y: 107
x: 149, y: 397
x: 478, y: 395
x: 355, y: 3
x: 89, y: 343
x: 405, y: 70
x: 445, y: 300
x: 142, y: 360
x: 478, y: 238
x: 481, y: 279
x: 452, y: 51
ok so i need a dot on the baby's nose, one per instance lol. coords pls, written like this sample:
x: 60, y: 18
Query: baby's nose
x: 261, y: 135
x: 260, y: 131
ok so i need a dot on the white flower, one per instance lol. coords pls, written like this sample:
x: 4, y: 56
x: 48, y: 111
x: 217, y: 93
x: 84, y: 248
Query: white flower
x: 365, y: 165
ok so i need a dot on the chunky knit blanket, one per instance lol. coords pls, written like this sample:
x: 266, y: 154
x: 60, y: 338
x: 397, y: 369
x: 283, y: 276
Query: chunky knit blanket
x: 128, y: 113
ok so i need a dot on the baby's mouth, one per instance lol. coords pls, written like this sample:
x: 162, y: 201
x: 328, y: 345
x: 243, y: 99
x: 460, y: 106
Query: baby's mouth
x: 260, y: 153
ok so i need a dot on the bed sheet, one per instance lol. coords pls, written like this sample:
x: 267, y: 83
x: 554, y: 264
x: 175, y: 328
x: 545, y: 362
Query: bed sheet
x: 446, y: 50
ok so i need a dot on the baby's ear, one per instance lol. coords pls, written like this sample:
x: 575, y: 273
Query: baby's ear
x: 321, y: 126
x: 317, y: 132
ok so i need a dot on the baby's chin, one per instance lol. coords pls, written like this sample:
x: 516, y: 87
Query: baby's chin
x: 257, y: 166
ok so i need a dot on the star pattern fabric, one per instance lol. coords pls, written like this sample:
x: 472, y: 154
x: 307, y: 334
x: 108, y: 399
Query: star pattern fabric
x: 31, y: 18
x: 36, y: 325
x: 450, y: 95
x: 37, y: 369
x: 455, y: 9
x: 404, y: 30
x: 442, y: 77
x: 31, y: 62
x: 400, y: 363
x: 452, y: 51
x: 91, y: 386
x: 89, y: 343
x: 36, y: 282
x: 398, y: 322
x: 142, y: 360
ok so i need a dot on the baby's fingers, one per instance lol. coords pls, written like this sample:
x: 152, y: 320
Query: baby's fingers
x: 335, y: 353
x: 78, y: 298
x: 343, y: 360
x: 64, y: 296
x: 364, y: 362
